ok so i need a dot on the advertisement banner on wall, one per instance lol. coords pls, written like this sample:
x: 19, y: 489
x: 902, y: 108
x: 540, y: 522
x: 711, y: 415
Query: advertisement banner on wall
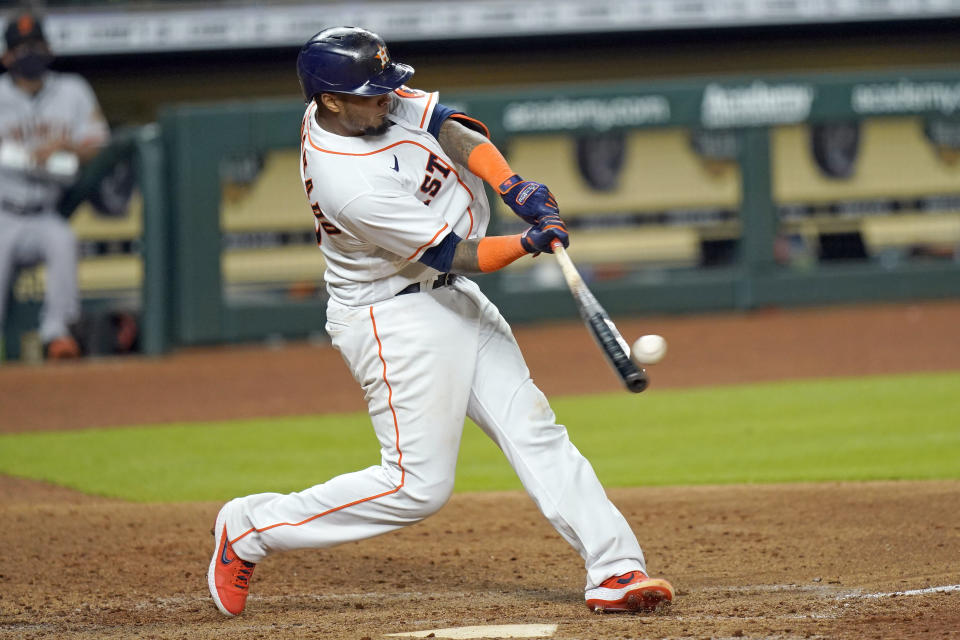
x: 601, y: 114
x: 905, y: 96
x: 757, y: 104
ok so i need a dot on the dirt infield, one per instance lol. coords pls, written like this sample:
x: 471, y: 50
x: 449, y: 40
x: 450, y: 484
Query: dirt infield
x: 866, y: 560
x: 299, y: 379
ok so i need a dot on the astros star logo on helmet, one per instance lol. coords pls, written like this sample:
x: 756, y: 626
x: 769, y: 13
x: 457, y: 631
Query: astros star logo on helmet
x: 382, y: 56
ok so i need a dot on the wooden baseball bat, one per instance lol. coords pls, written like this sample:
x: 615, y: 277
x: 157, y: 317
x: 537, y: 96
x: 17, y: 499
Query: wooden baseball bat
x: 601, y: 327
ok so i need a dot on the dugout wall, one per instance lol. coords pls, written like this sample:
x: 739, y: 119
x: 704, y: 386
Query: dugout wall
x: 719, y: 200
x: 722, y: 193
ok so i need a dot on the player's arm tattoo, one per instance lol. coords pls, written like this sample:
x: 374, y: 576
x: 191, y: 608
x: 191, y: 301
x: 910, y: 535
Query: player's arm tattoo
x: 457, y: 141
x: 465, y: 260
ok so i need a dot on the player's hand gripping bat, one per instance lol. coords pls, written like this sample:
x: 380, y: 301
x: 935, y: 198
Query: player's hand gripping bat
x: 611, y: 343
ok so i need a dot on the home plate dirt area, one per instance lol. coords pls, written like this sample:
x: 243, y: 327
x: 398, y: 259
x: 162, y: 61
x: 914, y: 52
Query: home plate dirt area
x: 835, y: 560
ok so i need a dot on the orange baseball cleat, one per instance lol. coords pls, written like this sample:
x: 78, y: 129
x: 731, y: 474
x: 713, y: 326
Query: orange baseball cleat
x: 632, y: 591
x: 62, y: 348
x: 229, y: 575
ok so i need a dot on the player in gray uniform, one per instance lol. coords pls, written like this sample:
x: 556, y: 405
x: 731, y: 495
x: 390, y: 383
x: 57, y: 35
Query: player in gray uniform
x: 49, y: 124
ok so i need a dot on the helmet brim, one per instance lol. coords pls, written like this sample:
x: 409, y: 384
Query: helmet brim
x: 392, y: 77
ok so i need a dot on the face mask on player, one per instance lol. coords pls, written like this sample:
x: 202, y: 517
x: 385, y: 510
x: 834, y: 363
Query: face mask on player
x: 31, y: 65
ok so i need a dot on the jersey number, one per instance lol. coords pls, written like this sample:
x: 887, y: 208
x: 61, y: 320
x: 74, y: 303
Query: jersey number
x: 432, y: 182
x: 322, y: 223
x: 321, y: 220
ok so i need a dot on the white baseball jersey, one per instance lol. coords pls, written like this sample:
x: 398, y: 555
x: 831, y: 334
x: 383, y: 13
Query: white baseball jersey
x: 379, y: 202
x: 65, y: 108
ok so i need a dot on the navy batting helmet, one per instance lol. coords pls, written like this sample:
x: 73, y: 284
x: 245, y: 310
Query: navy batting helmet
x: 348, y: 60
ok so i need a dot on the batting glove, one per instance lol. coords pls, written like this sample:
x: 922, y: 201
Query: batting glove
x: 540, y: 237
x: 529, y: 200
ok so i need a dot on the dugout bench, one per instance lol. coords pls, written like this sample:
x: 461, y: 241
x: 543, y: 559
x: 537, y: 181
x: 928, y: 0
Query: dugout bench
x: 662, y: 172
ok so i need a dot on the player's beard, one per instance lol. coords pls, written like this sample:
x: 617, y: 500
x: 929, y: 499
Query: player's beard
x: 378, y: 130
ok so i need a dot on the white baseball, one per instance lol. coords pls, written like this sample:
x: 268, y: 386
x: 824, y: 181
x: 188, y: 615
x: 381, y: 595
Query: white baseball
x: 648, y: 349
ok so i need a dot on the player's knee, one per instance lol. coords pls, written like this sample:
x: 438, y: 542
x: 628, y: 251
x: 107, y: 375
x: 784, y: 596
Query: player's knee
x: 544, y: 434
x: 62, y: 244
x: 426, y: 497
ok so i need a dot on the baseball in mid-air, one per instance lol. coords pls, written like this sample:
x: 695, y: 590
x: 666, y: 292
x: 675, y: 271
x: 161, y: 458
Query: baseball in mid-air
x: 648, y: 349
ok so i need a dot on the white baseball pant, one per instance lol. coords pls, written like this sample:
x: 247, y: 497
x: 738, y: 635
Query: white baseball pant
x: 27, y: 240
x: 426, y: 361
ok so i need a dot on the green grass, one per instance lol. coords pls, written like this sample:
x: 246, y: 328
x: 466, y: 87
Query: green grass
x: 902, y: 427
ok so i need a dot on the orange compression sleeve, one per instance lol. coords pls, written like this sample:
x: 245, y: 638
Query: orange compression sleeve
x: 487, y: 162
x: 496, y: 252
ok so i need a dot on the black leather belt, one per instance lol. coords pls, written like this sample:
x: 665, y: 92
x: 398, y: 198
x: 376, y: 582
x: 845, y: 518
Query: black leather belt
x: 21, y: 209
x: 442, y: 280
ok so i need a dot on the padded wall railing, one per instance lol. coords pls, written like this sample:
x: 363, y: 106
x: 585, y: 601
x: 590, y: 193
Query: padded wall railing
x: 197, y: 139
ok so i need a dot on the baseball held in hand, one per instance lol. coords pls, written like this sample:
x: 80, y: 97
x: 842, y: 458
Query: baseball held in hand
x: 648, y: 349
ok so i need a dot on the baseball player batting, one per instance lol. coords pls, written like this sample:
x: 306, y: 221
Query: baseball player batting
x: 395, y: 182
